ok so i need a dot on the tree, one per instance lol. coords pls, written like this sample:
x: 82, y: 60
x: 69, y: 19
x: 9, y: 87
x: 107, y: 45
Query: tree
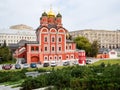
x: 94, y: 49
x: 5, y: 53
x: 83, y: 43
x: 4, y: 44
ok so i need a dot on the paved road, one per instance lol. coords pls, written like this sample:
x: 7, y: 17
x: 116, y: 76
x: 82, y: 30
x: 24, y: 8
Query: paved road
x: 2, y: 87
x: 59, y: 63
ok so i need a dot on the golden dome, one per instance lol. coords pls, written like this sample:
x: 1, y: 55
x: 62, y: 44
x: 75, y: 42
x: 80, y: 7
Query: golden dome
x: 51, y: 13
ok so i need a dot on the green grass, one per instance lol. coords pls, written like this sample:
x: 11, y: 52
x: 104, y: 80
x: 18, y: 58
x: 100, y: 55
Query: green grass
x: 113, y: 61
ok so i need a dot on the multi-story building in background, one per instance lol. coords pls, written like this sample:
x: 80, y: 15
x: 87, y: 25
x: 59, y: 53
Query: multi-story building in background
x: 105, y: 38
x: 16, y: 33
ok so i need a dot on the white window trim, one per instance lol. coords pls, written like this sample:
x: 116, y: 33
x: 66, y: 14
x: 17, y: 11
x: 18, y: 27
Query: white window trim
x: 50, y: 57
x: 58, y: 48
x: 54, y: 48
x: 45, y: 57
x: 52, y: 37
x: 67, y: 56
x: 45, y: 37
x: 59, y: 57
x: 44, y: 48
x: 59, y: 37
x: 55, y: 57
x: 71, y: 56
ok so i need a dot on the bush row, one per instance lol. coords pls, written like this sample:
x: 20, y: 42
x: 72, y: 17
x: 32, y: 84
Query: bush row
x: 78, y: 78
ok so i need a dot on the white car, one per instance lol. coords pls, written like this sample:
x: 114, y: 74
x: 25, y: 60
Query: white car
x: 26, y: 65
x: 53, y: 64
x: 88, y: 61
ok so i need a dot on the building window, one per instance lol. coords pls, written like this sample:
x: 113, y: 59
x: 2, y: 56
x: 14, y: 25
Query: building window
x: 72, y: 57
x: 53, y: 49
x: 67, y: 57
x: 46, y: 58
x: 37, y: 49
x: 66, y: 47
x: 53, y: 39
x: 55, y: 57
x: 32, y: 48
x: 60, y: 57
x: 59, y: 39
x: 45, y: 48
x: 59, y: 48
x: 50, y: 57
x: 45, y: 39
x: 69, y: 47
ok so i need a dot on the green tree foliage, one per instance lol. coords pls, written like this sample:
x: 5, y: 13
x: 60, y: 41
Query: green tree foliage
x: 4, y: 44
x: 5, y: 53
x: 90, y: 48
x: 69, y: 78
x: 78, y: 78
x: 94, y: 49
x: 83, y: 43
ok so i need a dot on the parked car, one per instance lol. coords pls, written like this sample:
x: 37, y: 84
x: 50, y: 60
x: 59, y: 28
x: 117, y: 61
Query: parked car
x: 53, y: 64
x: 75, y: 63
x: 17, y: 66
x: 88, y: 61
x: 23, y: 62
x: 26, y: 65
x: 33, y: 65
x: 7, y: 67
x: 45, y: 64
x: 66, y: 63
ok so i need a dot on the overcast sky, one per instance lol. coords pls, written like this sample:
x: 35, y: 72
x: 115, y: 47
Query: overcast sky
x: 76, y: 14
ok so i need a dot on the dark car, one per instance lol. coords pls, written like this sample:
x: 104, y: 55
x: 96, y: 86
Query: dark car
x: 17, y: 66
x: 33, y: 65
x: 7, y: 67
x: 66, y: 63
x: 46, y: 64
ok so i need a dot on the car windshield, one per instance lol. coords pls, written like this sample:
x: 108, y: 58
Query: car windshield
x: 25, y: 64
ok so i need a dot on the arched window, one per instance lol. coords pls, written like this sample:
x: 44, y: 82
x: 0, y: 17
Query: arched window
x: 53, y: 39
x: 45, y: 39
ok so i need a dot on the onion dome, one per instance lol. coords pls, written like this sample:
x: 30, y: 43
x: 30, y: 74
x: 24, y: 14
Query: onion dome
x: 44, y: 14
x: 51, y: 13
x: 40, y: 18
x: 58, y: 15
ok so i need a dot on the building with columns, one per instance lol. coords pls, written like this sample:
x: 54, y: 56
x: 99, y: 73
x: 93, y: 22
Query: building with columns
x: 51, y: 42
x: 106, y: 39
x: 16, y: 33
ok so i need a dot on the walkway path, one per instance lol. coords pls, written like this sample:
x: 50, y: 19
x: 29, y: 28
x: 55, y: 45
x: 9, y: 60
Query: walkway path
x: 3, y: 87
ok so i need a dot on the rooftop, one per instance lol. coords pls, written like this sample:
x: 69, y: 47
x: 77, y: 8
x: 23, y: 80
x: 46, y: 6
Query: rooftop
x: 17, y: 32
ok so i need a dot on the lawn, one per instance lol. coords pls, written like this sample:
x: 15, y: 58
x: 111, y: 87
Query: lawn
x: 113, y: 61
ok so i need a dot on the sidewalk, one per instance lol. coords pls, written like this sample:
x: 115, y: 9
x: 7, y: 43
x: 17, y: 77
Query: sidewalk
x: 3, y: 87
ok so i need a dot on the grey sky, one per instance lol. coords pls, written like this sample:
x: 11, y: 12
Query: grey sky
x: 77, y: 14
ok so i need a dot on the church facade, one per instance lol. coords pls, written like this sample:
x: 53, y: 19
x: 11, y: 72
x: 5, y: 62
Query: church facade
x: 52, y: 42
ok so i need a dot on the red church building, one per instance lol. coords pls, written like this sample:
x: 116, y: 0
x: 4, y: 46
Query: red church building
x: 51, y: 43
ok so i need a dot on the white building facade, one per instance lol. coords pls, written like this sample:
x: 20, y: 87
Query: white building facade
x: 105, y: 38
x: 13, y: 36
